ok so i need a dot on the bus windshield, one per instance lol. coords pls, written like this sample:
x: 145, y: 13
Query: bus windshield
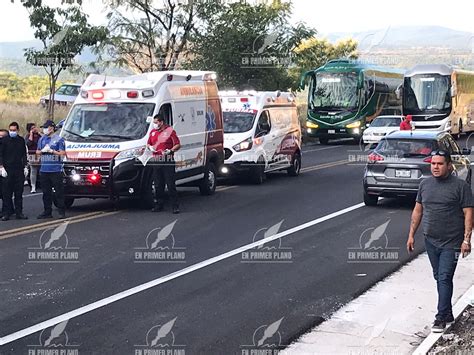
x: 107, y: 122
x: 427, y: 92
x: 237, y: 121
x: 334, y: 91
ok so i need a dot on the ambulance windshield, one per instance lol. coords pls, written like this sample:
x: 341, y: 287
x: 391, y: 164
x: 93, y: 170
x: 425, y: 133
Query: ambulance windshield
x: 107, y: 122
x: 238, y: 121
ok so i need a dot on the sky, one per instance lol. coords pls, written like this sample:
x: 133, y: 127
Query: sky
x: 326, y: 16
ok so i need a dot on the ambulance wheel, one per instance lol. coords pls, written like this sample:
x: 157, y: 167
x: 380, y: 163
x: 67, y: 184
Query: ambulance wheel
x: 258, y: 173
x: 208, y: 183
x: 147, y: 191
x: 294, y: 169
x: 68, y: 201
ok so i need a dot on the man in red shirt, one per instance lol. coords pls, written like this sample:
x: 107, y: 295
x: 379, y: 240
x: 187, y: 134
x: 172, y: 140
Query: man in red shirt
x: 406, y: 124
x: 163, y: 142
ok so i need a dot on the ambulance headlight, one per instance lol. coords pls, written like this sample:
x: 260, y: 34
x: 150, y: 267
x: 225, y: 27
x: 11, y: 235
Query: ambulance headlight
x: 130, y: 153
x: 244, y: 145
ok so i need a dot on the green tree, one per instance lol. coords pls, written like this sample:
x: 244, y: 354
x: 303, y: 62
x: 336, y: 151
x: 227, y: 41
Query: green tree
x: 249, y: 46
x: 64, y: 33
x: 156, y: 36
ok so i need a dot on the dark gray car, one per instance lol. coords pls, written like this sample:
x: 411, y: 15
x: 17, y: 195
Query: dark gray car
x: 402, y: 159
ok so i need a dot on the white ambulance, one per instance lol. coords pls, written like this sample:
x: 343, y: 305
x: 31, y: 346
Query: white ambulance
x: 107, y: 129
x: 261, y: 133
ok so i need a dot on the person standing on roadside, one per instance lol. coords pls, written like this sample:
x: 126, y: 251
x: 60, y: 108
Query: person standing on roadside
x: 444, y: 203
x: 13, y: 170
x: 3, y: 134
x: 51, y: 148
x: 32, y: 138
x: 406, y: 124
x: 164, y: 142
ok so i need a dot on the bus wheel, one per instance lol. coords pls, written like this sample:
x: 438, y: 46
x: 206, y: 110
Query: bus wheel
x: 323, y: 140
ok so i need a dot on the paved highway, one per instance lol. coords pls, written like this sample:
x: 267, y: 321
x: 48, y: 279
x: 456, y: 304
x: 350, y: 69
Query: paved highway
x: 135, y: 282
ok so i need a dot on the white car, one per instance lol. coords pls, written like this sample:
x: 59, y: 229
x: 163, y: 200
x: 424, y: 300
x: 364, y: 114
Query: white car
x: 380, y: 127
x: 64, y: 95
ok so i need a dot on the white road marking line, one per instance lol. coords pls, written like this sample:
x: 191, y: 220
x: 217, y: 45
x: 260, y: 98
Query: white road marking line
x: 317, y: 150
x: 31, y: 195
x: 161, y: 280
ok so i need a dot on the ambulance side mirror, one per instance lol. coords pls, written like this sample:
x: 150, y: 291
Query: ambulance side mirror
x: 149, y: 119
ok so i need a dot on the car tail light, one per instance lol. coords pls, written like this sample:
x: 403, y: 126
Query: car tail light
x: 427, y: 160
x: 374, y: 157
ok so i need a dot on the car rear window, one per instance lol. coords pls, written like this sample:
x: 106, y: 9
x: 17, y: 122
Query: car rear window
x: 404, y: 148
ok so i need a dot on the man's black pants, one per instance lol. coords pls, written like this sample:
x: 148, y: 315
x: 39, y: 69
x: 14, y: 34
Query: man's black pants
x: 13, y: 186
x: 165, y: 173
x: 48, y: 182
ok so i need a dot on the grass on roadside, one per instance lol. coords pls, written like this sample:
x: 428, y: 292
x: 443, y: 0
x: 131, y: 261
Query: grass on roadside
x: 24, y: 113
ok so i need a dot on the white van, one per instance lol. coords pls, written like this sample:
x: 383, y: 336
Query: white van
x: 261, y: 133
x: 108, y: 126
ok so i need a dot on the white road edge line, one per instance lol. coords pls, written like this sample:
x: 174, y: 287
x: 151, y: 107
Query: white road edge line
x: 140, y: 288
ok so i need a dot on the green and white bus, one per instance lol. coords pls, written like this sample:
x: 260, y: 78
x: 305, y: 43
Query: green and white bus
x: 345, y: 95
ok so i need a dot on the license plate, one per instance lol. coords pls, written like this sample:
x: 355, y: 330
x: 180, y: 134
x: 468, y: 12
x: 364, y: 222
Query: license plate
x: 331, y: 131
x: 82, y: 183
x: 403, y: 173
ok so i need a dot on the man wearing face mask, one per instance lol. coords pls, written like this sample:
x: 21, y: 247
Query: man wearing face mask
x: 3, y: 134
x: 164, y: 142
x: 51, y: 149
x: 13, y: 169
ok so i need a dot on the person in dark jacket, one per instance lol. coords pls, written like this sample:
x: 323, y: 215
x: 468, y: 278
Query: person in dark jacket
x: 3, y: 133
x: 52, y: 150
x: 31, y: 139
x: 13, y: 168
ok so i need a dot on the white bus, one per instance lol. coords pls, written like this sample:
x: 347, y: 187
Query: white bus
x: 439, y: 98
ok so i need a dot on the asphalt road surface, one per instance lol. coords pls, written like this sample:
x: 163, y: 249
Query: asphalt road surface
x: 135, y: 282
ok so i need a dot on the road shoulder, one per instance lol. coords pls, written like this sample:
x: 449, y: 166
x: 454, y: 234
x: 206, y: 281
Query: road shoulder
x: 393, y: 317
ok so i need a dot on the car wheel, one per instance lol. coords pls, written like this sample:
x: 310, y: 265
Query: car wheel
x: 370, y: 200
x: 294, y: 169
x: 208, y: 182
x: 323, y: 140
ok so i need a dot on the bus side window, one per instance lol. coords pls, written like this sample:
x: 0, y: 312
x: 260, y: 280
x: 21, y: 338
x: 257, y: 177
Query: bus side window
x: 369, y: 90
x: 167, y: 113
